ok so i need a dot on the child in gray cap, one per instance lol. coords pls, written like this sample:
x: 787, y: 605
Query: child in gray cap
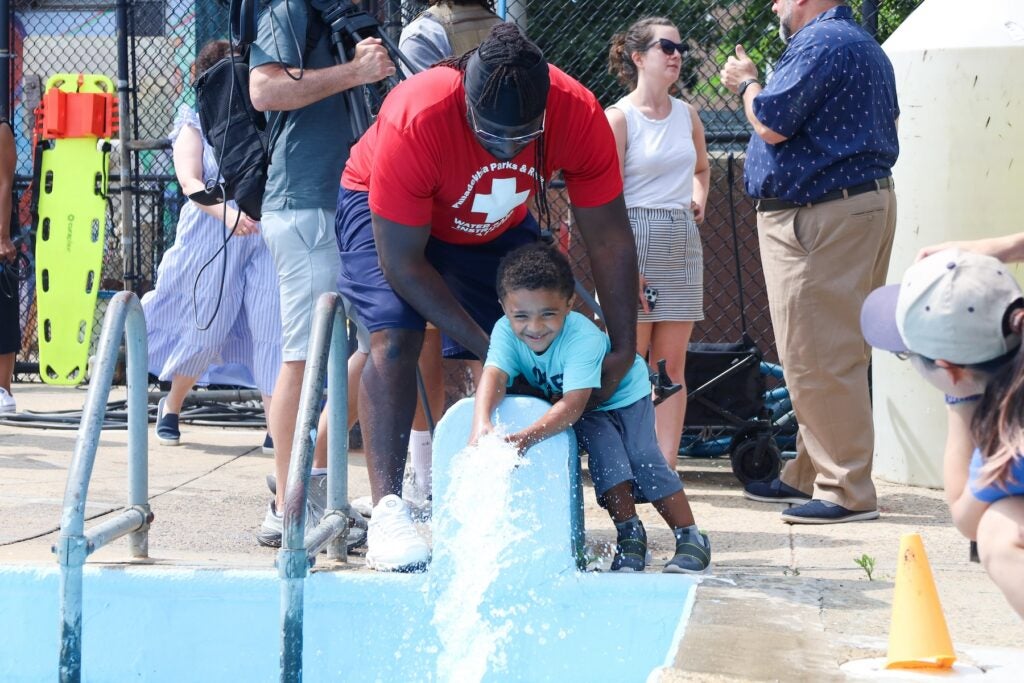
x: 957, y: 316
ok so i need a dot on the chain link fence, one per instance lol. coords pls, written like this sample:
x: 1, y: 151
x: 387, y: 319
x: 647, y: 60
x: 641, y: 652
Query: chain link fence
x: 72, y: 36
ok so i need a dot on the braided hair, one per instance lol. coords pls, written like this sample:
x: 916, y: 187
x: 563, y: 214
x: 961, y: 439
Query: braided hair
x: 507, y: 69
x: 510, y: 67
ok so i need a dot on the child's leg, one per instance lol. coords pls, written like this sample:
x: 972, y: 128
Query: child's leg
x: 675, y: 510
x: 693, y: 549
x: 600, y: 435
x: 630, y: 536
x: 618, y: 500
x: 1001, y: 545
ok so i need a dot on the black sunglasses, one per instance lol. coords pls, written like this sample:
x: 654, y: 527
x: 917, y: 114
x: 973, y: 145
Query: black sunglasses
x: 668, y: 47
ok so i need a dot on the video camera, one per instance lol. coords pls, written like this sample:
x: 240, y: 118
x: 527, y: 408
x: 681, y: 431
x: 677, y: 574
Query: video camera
x: 348, y: 24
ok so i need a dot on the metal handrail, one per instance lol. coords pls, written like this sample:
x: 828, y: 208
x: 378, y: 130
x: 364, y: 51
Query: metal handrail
x: 124, y: 315
x: 327, y: 355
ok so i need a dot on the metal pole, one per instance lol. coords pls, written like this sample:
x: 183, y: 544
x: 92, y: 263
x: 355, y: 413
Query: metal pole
x: 127, y: 219
x: 291, y: 627
x: 72, y: 546
x: 71, y: 622
x: 337, y: 429
x: 137, y: 360
x: 293, y: 562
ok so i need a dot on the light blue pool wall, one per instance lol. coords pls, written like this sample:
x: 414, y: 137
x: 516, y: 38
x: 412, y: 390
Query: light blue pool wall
x: 210, y: 625
x: 547, y: 490
x: 155, y: 624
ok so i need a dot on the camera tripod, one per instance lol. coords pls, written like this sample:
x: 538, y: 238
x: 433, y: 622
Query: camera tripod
x: 348, y: 25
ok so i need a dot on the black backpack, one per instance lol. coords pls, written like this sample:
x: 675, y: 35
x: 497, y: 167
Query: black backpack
x: 237, y: 133
x: 232, y: 126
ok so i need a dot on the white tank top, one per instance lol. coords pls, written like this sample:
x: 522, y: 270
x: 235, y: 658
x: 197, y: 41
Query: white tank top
x: 660, y: 158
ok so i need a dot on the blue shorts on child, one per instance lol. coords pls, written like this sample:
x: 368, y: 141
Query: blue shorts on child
x: 621, y: 445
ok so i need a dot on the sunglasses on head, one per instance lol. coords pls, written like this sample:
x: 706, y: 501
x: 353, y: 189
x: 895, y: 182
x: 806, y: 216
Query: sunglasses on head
x: 668, y: 47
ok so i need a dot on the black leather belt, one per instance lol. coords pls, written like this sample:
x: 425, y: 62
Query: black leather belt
x: 783, y: 205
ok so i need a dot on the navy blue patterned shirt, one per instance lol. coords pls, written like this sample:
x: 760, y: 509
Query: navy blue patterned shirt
x: 833, y: 96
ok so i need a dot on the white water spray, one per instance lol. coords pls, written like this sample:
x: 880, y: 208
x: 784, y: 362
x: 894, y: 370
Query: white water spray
x: 480, y: 532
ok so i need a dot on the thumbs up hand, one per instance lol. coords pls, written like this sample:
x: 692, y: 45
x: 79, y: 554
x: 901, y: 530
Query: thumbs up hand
x: 737, y: 69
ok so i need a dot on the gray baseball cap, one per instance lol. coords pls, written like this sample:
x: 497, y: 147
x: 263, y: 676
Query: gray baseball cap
x: 951, y: 305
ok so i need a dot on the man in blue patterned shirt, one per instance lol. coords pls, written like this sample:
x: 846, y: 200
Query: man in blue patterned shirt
x: 818, y: 166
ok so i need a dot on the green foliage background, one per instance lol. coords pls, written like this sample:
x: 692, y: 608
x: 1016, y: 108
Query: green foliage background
x: 574, y: 35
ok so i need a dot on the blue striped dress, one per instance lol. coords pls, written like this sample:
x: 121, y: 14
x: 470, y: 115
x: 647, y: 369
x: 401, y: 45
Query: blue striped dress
x: 244, y: 339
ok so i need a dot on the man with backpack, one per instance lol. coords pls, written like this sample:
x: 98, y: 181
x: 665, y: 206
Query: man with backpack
x: 294, y: 79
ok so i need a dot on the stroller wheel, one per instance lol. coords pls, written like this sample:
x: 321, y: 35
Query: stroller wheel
x: 755, y: 459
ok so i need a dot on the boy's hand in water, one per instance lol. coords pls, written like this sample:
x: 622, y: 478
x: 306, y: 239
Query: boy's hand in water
x: 519, y: 441
x: 480, y: 429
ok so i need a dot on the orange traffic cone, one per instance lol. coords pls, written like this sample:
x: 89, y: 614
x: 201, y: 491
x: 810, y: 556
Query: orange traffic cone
x: 918, y: 636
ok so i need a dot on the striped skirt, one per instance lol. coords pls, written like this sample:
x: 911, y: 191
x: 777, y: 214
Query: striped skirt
x: 245, y: 333
x: 671, y: 258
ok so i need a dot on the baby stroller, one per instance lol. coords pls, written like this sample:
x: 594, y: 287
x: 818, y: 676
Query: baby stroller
x: 730, y: 408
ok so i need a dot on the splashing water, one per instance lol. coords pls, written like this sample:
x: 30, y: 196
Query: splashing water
x: 480, y: 531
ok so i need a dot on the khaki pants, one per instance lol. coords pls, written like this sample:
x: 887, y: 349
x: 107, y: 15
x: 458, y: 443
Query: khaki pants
x: 820, y: 263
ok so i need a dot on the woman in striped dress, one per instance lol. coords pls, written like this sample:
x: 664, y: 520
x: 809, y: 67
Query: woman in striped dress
x: 664, y: 162
x: 245, y: 328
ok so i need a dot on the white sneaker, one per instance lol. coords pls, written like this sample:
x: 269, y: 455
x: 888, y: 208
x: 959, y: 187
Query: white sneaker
x: 7, y: 403
x: 272, y: 529
x: 317, y: 505
x: 393, y: 544
x: 418, y: 498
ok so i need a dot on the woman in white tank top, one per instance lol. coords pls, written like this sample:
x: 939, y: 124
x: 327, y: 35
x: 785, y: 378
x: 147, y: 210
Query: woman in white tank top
x: 664, y: 163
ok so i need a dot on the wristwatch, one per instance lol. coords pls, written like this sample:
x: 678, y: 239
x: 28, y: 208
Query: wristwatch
x: 744, y: 85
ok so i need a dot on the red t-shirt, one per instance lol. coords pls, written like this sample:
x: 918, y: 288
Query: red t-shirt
x: 422, y: 164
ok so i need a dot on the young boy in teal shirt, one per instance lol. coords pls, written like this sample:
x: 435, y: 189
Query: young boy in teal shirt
x: 560, y: 352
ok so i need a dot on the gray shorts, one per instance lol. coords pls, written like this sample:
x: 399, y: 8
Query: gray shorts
x: 623, y: 446
x: 301, y: 242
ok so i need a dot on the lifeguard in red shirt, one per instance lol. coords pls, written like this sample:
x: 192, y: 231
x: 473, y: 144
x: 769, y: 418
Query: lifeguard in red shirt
x: 432, y: 197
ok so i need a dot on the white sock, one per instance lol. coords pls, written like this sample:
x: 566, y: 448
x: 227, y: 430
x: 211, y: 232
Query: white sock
x: 318, y: 472
x: 422, y: 453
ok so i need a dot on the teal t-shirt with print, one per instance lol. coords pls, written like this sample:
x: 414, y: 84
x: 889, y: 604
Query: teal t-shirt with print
x: 573, y: 361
